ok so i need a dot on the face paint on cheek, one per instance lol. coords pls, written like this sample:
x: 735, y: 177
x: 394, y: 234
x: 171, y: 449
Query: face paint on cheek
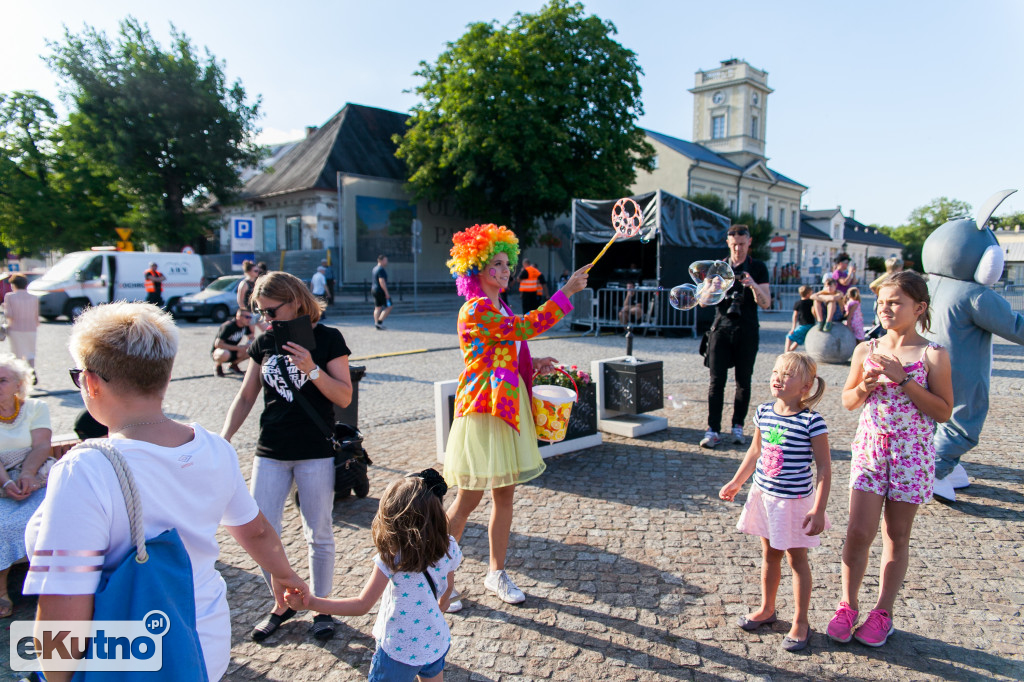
x: 494, y: 273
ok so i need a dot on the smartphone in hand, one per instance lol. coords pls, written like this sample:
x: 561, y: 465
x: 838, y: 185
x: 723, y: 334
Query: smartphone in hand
x: 298, y: 331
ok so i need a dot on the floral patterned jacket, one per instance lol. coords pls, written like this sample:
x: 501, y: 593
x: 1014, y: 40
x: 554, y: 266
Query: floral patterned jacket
x: 494, y: 372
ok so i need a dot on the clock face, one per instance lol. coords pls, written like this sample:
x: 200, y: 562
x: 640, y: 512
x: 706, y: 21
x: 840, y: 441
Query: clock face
x: 718, y: 97
x: 755, y: 98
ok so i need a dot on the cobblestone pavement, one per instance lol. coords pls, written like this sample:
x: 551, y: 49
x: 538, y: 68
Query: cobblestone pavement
x: 631, y: 564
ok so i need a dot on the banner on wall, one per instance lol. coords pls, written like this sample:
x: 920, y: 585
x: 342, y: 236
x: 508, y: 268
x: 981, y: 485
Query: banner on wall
x: 384, y: 226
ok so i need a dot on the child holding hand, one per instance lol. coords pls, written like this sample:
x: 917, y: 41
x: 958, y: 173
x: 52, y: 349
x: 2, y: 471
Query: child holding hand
x: 785, y: 506
x: 905, y: 385
x: 414, y: 572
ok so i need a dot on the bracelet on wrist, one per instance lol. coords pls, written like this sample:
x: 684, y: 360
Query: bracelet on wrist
x: 906, y: 380
x: 9, y: 481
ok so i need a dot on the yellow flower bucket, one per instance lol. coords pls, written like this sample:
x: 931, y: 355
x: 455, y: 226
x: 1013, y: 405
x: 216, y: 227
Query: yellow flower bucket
x: 552, y: 406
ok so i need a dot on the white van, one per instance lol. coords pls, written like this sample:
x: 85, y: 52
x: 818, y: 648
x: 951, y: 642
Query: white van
x: 86, y: 278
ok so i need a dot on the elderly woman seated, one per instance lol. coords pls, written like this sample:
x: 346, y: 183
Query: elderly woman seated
x: 24, y: 450
x: 187, y: 478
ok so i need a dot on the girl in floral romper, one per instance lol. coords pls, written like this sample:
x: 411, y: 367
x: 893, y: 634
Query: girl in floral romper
x: 904, y: 384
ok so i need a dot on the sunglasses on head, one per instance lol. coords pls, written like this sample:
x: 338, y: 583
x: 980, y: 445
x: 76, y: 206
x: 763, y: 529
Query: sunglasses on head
x: 269, y: 313
x: 738, y: 233
x: 76, y: 376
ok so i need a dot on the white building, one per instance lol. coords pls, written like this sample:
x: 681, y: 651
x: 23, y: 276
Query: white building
x: 827, y: 233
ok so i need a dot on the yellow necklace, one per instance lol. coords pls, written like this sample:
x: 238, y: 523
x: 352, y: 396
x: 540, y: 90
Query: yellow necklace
x: 17, y: 409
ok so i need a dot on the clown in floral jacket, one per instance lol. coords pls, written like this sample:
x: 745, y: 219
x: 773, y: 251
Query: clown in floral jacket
x: 498, y: 362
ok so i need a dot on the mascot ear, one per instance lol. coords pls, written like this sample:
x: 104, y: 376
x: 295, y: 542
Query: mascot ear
x: 990, y: 267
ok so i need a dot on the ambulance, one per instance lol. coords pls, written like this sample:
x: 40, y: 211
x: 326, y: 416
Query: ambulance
x: 86, y: 278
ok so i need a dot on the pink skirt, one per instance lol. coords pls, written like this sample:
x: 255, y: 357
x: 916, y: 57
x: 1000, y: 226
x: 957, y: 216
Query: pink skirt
x: 778, y: 519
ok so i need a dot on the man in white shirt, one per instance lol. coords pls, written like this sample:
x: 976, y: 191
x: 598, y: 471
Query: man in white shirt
x: 318, y: 284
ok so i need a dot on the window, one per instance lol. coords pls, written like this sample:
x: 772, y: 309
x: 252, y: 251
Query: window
x: 753, y: 209
x: 768, y: 214
x: 782, y: 218
x: 270, y: 233
x: 792, y: 219
x: 654, y: 162
x: 754, y: 127
x: 732, y: 205
x: 717, y: 127
x: 293, y: 233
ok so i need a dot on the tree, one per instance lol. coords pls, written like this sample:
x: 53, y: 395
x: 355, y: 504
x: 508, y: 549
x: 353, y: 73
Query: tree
x: 52, y: 196
x: 519, y: 119
x: 166, y: 120
x: 1007, y: 221
x: 760, y: 229
x: 922, y: 221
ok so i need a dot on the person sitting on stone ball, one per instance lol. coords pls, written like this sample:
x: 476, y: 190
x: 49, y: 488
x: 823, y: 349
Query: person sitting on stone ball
x: 828, y: 304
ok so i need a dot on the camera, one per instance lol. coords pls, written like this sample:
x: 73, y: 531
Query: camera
x: 735, y: 297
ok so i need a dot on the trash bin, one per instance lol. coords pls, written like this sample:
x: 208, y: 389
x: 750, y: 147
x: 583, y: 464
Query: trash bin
x: 350, y: 414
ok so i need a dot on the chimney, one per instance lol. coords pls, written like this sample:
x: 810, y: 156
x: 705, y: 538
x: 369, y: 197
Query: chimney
x: 852, y: 214
x: 310, y: 130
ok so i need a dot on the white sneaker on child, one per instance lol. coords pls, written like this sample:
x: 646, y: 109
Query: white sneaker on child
x: 499, y: 583
x: 454, y: 602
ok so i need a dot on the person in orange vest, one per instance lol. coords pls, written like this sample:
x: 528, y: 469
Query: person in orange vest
x: 154, y: 286
x: 531, y: 286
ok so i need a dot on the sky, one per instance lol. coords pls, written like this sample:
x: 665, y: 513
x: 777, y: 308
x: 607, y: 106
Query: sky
x: 878, y: 107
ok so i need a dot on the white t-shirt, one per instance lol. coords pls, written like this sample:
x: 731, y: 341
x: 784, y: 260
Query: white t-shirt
x: 194, y: 488
x: 410, y: 625
x: 318, y: 284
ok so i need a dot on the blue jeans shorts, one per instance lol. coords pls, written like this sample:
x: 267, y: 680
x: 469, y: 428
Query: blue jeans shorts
x: 799, y: 334
x: 383, y: 668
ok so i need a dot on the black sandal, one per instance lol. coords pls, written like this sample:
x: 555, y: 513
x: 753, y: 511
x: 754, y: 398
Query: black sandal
x: 269, y: 625
x: 323, y: 627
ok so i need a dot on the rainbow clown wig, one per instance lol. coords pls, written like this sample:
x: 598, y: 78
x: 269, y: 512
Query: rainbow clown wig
x: 473, y: 248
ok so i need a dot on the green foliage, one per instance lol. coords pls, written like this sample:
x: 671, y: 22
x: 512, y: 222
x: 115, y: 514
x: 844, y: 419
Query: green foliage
x: 165, y: 120
x: 516, y: 120
x: 760, y: 229
x: 876, y: 264
x: 711, y: 201
x: 581, y: 377
x: 922, y: 221
x: 52, y: 194
x: 1008, y: 221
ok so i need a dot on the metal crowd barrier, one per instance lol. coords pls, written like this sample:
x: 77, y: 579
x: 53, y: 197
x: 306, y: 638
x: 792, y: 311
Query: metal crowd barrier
x: 648, y: 310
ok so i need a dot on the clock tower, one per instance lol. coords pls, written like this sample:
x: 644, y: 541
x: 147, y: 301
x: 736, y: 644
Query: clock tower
x: 730, y: 106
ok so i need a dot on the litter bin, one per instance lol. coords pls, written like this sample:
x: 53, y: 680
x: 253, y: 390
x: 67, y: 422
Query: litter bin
x: 350, y: 414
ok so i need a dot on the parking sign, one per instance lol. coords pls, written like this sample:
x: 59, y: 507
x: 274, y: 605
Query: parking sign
x: 243, y: 235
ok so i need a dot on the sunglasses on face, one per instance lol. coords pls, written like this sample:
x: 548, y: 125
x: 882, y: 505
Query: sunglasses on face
x: 76, y: 376
x: 269, y: 313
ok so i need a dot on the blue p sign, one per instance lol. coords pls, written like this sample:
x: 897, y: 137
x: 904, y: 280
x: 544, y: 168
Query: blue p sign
x: 243, y: 228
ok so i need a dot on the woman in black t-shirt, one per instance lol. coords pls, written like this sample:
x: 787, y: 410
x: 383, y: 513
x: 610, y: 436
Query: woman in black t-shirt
x: 290, y: 446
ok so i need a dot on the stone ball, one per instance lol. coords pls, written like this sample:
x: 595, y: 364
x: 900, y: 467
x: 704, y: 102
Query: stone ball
x: 834, y: 346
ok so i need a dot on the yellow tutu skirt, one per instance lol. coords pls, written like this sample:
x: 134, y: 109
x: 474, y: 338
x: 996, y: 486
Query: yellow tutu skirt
x: 484, y: 452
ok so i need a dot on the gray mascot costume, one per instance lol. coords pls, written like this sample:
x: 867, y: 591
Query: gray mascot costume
x: 963, y: 259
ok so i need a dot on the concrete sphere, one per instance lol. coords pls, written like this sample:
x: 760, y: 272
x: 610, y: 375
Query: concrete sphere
x: 834, y: 346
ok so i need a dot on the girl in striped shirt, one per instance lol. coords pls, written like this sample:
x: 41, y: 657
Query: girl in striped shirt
x: 786, y: 508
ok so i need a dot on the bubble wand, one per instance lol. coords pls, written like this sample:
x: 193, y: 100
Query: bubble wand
x: 626, y: 220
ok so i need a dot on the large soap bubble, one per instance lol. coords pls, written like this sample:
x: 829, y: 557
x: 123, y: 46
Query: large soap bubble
x: 683, y: 297
x: 702, y: 270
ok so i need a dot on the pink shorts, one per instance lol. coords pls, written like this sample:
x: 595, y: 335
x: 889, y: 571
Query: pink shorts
x: 778, y: 519
x: 901, y: 469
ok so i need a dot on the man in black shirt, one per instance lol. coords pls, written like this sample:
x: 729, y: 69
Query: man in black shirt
x: 230, y: 344
x: 733, y: 338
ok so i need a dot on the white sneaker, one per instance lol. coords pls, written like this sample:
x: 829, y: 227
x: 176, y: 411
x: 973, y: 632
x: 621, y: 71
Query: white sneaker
x: 944, y: 489
x: 737, y: 435
x: 958, y: 477
x: 710, y: 440
x: 454, y: 602
x: 499, y: 583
